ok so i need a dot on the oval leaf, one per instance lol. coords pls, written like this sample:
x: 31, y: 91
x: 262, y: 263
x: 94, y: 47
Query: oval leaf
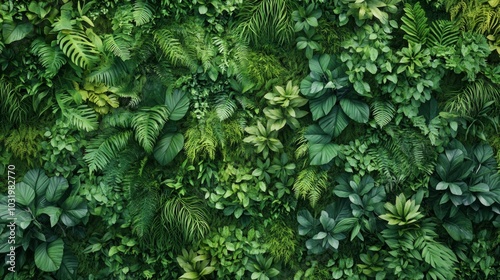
x: 48, y: 256
x: 168, y: 147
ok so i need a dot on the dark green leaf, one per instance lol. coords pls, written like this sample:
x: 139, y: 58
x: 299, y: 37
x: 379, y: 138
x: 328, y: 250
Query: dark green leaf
x: 168, y: 147
x: 48, y: 256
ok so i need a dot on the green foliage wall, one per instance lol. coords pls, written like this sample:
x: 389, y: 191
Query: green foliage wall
x: 262, y: 139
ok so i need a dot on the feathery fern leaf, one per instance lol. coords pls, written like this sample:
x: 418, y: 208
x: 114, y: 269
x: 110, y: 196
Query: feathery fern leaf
x: 224, y: 106
x: 147, y: 124
x: 117, y: 46
x: 119, y: 118
x: 188, y: 216
x: 173, y: 49
x: 310, y: 183
x: 142, y: 12
x: 51, y: 58
x: 11, y: 104
x: 143, y: 209
x: 109, y: 73
x: 383, y: 112
x: 473, y: 99
x: 415, y: 24
x: 82, y: 117
x: 78, y: 47
x: 104, y: 148
x: 444, y: 33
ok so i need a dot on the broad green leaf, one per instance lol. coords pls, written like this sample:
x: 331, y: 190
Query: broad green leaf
x: 74, y: 210
x: 459, y: 227
x: 355, y: 109
x: 24, y: 194
x: 53, y: 212
x: 57, y: 187
x: 345, y: 225
x: 177, y: 103
x: 320, y: 154
x: 168, y: 147
x: 315, y: 135
x: 321, y: 106
x: 335, y: 122
x: 12, y: 32
x: 37, y: 180
x: 48, y: 256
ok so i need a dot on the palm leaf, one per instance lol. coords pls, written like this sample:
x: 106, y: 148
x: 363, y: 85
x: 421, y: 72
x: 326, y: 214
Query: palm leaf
x: 188, y: 216
x: 104, y: 148
x: 444, y: 33
x: 78, y: 47
x: 173, y: 49
x: 82, y: 117
x: 51, y: 58
x: 147, y: 124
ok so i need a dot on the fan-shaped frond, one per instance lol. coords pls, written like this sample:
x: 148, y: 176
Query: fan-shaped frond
x: 104, y: 148
x: 116, y: 45
x: 78, y: 47
x: 415, y: 24
x: 444, y: 33
x: 225, y: 106
x: 188, y: 216
x: 173, y: 49
x: 82, y: 117
x: 109, y: 73
x: 383, y: 112
x: 147, y: 124
x: 51, y: 58
x: 473, y: 98
x: 142, y: 12
x: 11, y: 104
x: 310, y: 183
x: 143, y: 207
x: 266, y: 21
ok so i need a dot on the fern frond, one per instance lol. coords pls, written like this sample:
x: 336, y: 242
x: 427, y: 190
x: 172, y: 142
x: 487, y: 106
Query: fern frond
x: 310, y: 183
x: 143, y: 205
x: 415, y: 24
x: 173, y: 49
x: 82, y: 118
x: 188, y: 216
x: 444, y: 33
x: 142, y: 12
x: 383, y: 112
x: 52, y: 58
x: 224, y: 106
x: 11, y: 104
x: 117, y: 46
x: 147, y: 124
x: 109, y: 73
x: 104, y: 148
x: 77, y: 46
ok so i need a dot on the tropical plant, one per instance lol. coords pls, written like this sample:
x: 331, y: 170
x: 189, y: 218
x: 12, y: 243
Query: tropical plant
x: 263, y: 138
x: 286, y: 101
x: 329, y: 230
x: 363, y: 10
x: 44, y: 209
x: 196, y: 265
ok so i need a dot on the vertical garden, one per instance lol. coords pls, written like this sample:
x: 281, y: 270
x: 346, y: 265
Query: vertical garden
x: 250, y: 139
